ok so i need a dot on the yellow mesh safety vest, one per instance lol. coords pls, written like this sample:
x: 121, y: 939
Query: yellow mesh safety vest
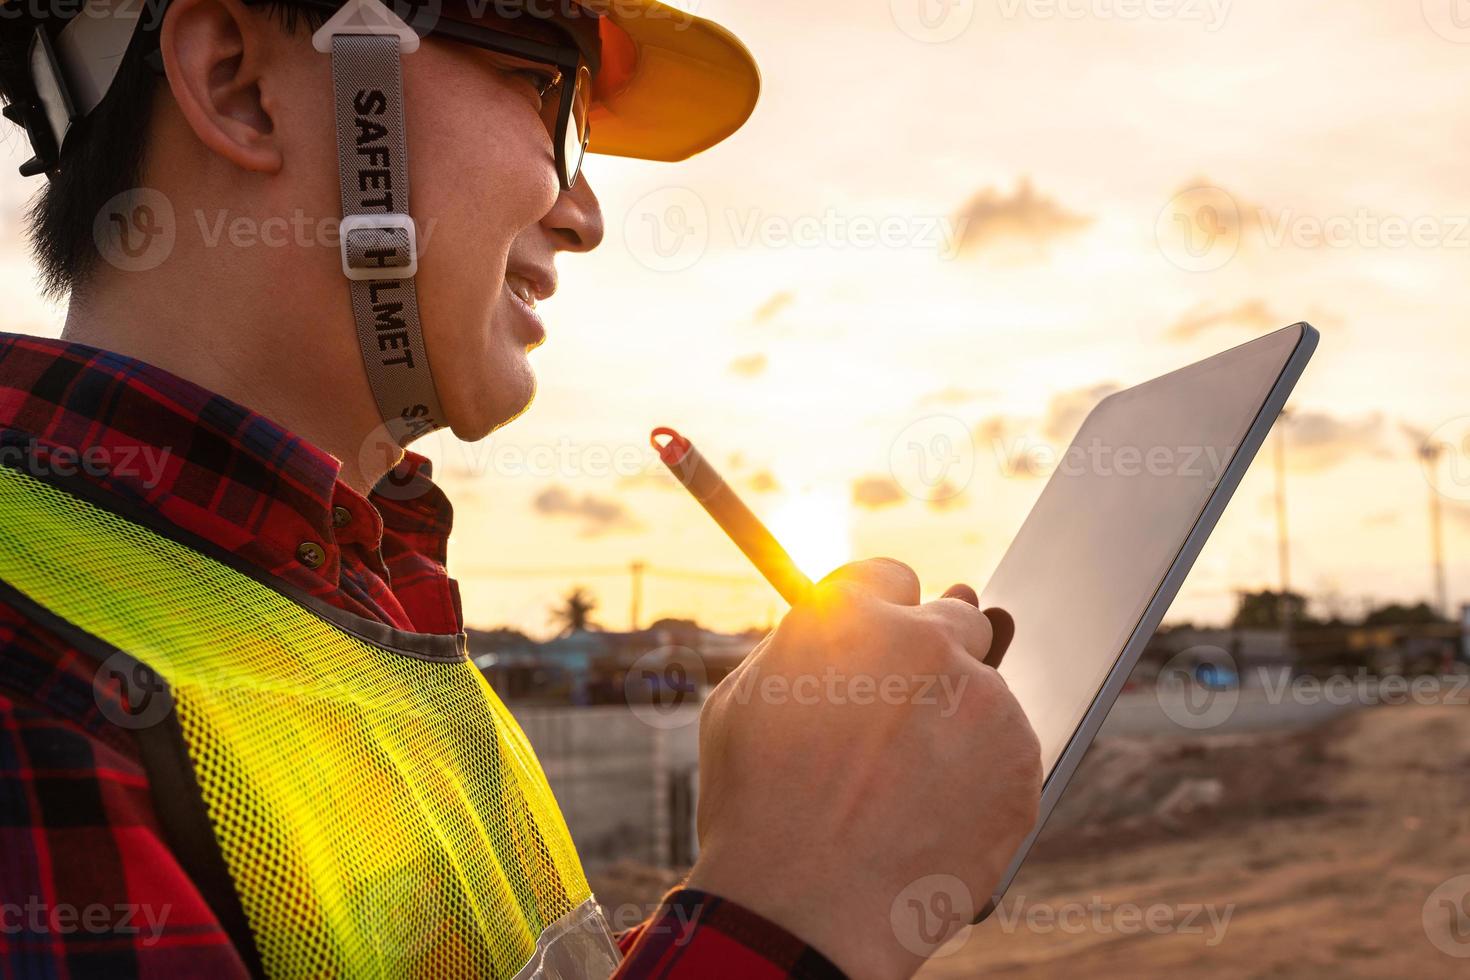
x: 354, y: 802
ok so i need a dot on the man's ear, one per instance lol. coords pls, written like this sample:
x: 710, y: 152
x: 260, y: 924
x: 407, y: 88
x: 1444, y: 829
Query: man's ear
x: 213, y: 54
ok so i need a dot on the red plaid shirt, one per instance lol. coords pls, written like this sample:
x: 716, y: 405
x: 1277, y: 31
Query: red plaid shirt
x: 88, y: 883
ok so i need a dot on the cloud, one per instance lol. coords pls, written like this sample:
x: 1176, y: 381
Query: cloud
x: 1024, y: 223
x: 597, y: 516
x: 1067, y: 409
x: 873, y: 492
x: 749, y: 366
x: 1417, y: 437
x: 1252, y: 315
x: 773, y: 306
x: 653, y: 478
x: 1317, y: 441
x: 1008, y: 442
x: 955, y: 395
x: 764, y: 482
x: 1201, y: 212
x: 1030, y: 447
x: 946, y: 496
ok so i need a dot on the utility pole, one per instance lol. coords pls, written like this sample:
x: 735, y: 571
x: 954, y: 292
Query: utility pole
x: 1430, y: 453
x: 1283, y: 539
x: 636, y: 568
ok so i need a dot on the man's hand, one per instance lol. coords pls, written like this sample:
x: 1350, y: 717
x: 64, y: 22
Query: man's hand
x: 862, y: 748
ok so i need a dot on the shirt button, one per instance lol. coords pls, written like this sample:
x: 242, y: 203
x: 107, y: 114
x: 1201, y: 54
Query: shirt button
x: 341, y: 516
x: 310, y: 554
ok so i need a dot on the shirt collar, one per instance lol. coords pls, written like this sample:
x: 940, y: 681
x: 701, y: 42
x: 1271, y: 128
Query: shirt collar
x: 208, y: 464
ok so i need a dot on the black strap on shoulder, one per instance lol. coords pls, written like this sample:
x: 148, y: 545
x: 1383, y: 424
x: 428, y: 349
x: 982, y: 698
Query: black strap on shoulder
x: 178, y: 800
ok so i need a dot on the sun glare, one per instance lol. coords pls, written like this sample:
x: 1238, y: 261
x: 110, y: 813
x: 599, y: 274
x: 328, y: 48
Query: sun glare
x: 816, y: 528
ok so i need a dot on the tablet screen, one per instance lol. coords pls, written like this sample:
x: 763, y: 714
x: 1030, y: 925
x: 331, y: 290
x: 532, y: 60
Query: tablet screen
x: 1110, y: 523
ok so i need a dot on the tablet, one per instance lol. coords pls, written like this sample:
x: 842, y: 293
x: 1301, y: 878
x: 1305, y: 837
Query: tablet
x: 1114, y: 533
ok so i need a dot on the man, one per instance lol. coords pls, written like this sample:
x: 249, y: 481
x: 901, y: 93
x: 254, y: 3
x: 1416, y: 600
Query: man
x: 238, y: 732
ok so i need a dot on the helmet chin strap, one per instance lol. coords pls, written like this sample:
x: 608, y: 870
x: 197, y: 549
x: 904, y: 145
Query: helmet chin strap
x: 378, y: 238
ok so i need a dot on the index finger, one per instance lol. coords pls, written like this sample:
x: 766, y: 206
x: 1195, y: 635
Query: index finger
x: 885, y: 578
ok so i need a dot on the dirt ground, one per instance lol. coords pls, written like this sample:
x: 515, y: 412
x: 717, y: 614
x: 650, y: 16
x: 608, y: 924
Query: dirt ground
x: 1276, y: 855
x: 1323, y: 846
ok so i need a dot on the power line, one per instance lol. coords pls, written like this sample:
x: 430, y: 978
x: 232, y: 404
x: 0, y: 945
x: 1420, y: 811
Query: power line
x: 604, y: 571
x: 581, y: 571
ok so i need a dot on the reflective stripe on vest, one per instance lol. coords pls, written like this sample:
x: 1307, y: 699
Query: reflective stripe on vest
x: 378, y: 811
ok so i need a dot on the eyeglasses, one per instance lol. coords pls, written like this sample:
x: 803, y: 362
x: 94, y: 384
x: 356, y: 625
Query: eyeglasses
x: 564, y: 105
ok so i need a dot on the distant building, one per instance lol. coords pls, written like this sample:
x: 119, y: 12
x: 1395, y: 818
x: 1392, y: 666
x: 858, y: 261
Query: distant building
x: 592, y: 666
x: 1255, y: 654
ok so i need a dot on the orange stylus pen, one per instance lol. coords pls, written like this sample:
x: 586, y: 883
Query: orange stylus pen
x: 730, y: 513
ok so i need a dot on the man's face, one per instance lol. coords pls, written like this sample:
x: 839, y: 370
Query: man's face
x: 483, y: 169
x: 491, y: 218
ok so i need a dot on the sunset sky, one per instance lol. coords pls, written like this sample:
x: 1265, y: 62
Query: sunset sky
x: 971, y: 239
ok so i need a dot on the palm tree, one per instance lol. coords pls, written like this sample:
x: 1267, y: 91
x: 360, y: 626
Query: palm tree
x: 574, y: 615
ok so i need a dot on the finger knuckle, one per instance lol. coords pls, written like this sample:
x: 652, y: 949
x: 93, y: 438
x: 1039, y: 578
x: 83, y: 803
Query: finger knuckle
x: 991, y: 689
x: 929, y: 642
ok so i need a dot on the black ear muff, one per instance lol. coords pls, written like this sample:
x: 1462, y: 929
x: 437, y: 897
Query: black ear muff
x: 30, y: 112
x: 23, y: 115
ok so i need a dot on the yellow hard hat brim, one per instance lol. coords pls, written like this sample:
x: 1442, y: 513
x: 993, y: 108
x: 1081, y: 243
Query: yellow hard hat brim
x: 671, y: 84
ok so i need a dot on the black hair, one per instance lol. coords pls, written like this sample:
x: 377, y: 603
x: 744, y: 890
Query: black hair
x: 105, y: 152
